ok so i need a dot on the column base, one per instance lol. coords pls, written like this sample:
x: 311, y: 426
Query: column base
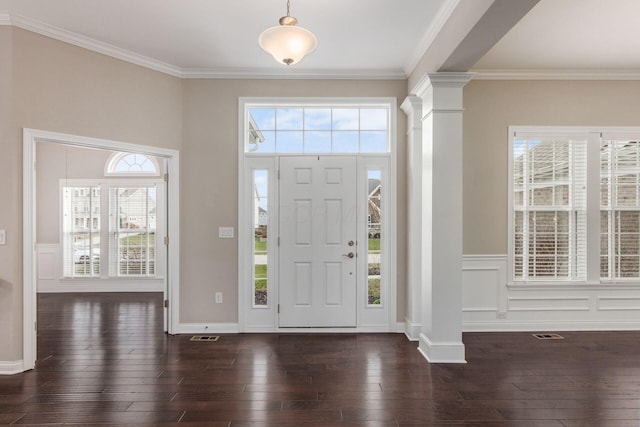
x: 443, y: 352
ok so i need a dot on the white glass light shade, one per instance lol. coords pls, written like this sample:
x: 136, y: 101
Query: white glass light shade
x: 288, y: 44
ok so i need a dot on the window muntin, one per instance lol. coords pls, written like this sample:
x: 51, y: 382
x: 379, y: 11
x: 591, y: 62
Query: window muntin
x: 317, y: 129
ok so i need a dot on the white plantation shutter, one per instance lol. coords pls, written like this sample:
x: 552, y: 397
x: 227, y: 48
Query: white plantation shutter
x: 619, y: 208
x: 132, y: 227
x: 549, y: 208
x: 81, y: 231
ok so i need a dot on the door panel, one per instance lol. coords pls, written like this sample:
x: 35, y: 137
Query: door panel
x: 317, y: 220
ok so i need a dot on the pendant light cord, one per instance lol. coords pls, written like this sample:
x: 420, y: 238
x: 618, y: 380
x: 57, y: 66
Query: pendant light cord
x: 288, y: 5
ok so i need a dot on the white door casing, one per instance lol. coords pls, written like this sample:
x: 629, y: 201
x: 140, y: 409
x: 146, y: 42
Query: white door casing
x: 317, y: 222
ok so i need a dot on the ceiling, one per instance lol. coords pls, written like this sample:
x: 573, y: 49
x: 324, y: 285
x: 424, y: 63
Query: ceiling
x: 588, y: 38
x: 357, y: 38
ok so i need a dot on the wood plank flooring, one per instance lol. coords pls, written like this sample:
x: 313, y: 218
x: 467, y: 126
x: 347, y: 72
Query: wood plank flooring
x: 104, y: 360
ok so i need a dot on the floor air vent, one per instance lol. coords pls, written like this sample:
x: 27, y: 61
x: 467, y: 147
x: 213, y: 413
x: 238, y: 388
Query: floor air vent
x: 548, y: 336
x: 205, y: 338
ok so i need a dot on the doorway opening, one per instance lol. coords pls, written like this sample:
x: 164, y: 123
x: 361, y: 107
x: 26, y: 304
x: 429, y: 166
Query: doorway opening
x: 132, y: 252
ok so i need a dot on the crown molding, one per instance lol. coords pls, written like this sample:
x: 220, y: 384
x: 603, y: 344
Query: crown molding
x: 5, y: 18
x: 297, y: 75
x: 189, y: 73
x: 92, y: 44
x: 557, y: 74
x: 430, y: 35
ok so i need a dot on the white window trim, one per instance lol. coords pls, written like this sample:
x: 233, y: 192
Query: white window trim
x: 593, y: 135
x: 264, y: 319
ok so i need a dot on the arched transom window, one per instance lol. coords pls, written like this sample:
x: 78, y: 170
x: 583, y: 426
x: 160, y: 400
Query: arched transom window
x: 132, y: 164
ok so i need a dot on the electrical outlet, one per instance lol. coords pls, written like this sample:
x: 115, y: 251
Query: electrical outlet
x: 218, y: 297
x: 3, y: 237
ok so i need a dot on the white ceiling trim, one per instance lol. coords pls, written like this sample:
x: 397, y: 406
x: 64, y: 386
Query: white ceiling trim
x: 5, y: 19
x: 557, y: 74
x: 297, y: 75
x: 430, y: 35
x: 186, y: 73
x: 92, y: 44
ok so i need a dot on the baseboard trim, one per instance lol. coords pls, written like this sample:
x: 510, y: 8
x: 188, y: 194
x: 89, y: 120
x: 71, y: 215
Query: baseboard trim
x: 98, y: 286
x: 412, y: 330
x: 11, y: 368
x: 502, y: 326
x: 208, y: 328
x: 444, y: 352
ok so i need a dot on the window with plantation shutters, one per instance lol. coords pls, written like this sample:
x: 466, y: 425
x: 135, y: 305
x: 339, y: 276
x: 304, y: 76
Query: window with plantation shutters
x: 619, y: 209
x: 549, y: 208
x: 575, y: 205
x: 132, y: 227
x: 109, y: 228
x: 81, y: 231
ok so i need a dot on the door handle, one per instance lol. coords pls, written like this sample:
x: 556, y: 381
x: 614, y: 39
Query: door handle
x: 349, y: 255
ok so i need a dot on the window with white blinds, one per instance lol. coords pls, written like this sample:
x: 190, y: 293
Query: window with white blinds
x: 575, y: 205
x: 81, y: 231
x: 619, y: 209
x: 132, y: 231
x: 549, y: 208
x: 109, y: 228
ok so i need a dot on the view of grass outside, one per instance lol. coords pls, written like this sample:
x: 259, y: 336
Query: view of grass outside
x: 373, y: 293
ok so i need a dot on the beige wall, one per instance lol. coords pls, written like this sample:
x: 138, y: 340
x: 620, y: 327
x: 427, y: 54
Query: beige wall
x: 62, y: 88
x: 56, y: 162
x: 49, y: 85
x: 492, y: 106
x: 210, y: 183
x: 10, y: 210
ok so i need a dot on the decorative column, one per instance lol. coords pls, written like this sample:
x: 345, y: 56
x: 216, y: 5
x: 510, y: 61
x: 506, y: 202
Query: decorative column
x: 440, y: 223
x: 412, y: 107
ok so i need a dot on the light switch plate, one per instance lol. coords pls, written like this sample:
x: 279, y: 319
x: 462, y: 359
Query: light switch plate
x: 225, y: 232
x: 3, y: 237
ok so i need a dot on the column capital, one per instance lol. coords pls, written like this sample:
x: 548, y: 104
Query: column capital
x: 442, y: 79
x: 412, y: 107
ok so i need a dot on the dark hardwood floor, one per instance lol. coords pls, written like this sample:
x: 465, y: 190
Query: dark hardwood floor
x: 104, y: 360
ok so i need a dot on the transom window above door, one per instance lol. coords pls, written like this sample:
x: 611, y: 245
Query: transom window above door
x: 316, y: 128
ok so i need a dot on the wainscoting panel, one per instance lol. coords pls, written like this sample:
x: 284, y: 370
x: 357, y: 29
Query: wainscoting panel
x: 490, y: 304
x: 49, y: 270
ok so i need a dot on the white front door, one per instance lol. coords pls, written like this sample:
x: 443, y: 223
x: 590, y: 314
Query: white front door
x: 317, y: 286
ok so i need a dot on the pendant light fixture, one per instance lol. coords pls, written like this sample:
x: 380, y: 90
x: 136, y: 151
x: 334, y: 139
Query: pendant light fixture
x: 287, y: 43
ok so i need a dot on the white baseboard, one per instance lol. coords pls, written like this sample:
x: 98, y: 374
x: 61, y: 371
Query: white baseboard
x: 208, y: 328
x: 538, y: 326
x: 11, y: 368
x: 448, y: 352
x: 412, y: 330
x: 101, y: 286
